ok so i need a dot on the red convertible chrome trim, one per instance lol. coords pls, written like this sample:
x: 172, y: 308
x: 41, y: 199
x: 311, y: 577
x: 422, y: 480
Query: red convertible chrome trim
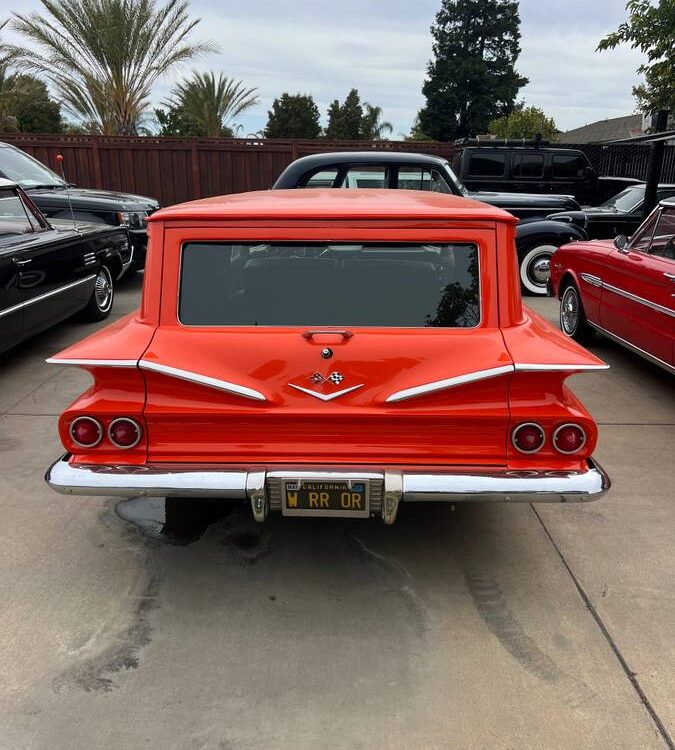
x: 194, y: 377
x: 93, y: 362
x: 633, y: 348
x: 440, y: 385
x: 440, y: 484
x: 639, y: 300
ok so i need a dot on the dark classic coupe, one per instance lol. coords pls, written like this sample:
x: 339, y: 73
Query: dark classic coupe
x: 621, y: 214
x: 52, y: 269
x: 536, y: 237
x: 55, y: 198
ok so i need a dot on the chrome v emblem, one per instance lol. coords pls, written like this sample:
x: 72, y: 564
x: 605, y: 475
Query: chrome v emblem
x: 325, y: 396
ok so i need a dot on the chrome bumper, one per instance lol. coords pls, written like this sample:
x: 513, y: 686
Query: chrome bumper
x: 262, y: 486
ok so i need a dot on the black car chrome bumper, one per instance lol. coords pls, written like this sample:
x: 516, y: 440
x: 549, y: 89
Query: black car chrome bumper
x: 262, y: 486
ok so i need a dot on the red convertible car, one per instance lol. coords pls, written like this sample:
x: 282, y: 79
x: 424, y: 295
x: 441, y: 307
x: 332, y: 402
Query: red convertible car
x: 332, y: 353
x: 624, y: 289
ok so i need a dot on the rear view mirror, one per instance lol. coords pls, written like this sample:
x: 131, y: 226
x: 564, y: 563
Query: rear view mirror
x: 621, y: 242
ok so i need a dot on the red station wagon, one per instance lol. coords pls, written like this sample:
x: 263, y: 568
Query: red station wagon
x: 331, y: 353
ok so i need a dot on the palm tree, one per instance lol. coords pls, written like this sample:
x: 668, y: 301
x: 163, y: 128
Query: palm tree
x: 103, y: 56
x: 373, y: 127
x: 210, y: 103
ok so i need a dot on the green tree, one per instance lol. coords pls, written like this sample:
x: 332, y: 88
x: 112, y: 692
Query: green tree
x: 345, y: 121
x: 293, y: 116
x: 335, y: 128
x: 651, y: 29
x: 471, y: 79
x: 525, y: 122
x: 27, y: 99
x: 103, y: 56
x: 373, y: 127
x: 205, y: 105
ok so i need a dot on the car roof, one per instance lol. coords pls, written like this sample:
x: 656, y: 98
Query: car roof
x: 335, y: 204
x: 328, y: 158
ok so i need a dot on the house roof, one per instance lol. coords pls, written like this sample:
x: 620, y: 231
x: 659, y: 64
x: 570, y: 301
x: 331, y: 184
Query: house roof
x: 334, y: 204
x: 611, y: 129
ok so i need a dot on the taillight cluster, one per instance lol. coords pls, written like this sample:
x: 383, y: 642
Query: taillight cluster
x: 122, y: 432
x: 530, y: 437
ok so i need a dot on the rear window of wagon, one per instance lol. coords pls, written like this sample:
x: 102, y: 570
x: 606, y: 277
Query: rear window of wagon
x: 341, y: 284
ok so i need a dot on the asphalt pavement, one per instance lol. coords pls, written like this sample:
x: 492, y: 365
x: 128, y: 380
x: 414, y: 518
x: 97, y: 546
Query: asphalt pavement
x: 492, y: 626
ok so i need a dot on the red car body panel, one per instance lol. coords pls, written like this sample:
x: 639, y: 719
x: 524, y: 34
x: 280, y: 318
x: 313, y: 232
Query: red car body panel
x: 627, y: 295
x: 236, y: 396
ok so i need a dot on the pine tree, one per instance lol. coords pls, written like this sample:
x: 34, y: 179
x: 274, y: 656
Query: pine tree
x: 345, y: 122
x: 472, y: 79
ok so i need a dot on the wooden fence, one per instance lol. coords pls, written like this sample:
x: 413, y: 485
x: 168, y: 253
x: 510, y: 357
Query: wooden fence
x: 180, y: 169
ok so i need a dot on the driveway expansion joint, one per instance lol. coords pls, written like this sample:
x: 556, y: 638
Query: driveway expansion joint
x: 630, y: 674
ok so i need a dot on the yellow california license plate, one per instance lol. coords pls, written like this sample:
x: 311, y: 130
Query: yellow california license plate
x: 348, y: 498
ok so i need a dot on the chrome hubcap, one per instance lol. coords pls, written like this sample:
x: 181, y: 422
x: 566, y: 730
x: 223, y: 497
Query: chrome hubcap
x: 569, y: 311
x: 103, y: 290
x: 541, y: 269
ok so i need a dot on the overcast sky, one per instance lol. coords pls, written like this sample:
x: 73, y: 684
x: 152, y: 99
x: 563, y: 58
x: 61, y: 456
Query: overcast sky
x: 381, y: 47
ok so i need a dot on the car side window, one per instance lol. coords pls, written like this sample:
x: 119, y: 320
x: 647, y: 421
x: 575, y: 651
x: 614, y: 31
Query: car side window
x: 528, y: 166
x: 365, y: 176
x: 487, y: 163
x: 15, y: 218
x: 322, y: 179
x: 663, y: 240
x: 422, y: 178
x: 568, y: 166
x: 641, y: 240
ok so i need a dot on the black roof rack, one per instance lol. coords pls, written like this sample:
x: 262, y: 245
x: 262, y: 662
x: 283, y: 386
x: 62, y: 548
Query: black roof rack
x: 536, y: 142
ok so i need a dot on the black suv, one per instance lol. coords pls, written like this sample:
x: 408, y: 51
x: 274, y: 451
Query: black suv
x: 51, y: 195
x: 534, y: 168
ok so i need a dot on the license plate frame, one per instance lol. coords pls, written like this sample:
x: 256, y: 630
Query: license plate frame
x: 330, y: 507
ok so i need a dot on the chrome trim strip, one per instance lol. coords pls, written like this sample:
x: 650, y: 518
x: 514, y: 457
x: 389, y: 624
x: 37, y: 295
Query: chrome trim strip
x: 639, y: 300
x: 589, y: 278
x: 194, y: 377
x: 93, y: 362
x: 635, y: 349
x: 39, y: 298
x: 440, y: 485
x: 324, y: 396
x: 531, y: 367
x: 440, y: 385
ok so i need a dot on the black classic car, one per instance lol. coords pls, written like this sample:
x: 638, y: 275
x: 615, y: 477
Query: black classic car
x: 621, y: 214
x: 48, y: 192
x: 52, y: 269
x: 537, y: 237
x: 532, y: 167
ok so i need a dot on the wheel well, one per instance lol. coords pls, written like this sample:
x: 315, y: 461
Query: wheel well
x: 114, y: 264
x: 565, y: 280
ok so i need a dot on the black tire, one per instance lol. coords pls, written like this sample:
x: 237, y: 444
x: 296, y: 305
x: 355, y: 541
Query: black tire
x: 534, y: 262
x: 102, y: 297
x: 573, y: 321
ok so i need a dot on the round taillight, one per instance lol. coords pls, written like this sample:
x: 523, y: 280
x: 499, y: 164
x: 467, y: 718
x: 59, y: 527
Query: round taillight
x: 124, y: 432
x: 528, y: 437
x: 569, y: 438
x: 86, y: 432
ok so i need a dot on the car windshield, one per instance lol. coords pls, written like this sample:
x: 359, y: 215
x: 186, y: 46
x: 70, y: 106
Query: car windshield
x: 285, y: 284
x: 458, y: 183
x: 28, y: 172
x: 626, y: 200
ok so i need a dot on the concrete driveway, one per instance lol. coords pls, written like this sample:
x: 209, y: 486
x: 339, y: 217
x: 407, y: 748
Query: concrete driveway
x: 495, y: 626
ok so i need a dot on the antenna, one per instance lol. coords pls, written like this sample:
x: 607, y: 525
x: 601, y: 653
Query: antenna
x: 60, y: 160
